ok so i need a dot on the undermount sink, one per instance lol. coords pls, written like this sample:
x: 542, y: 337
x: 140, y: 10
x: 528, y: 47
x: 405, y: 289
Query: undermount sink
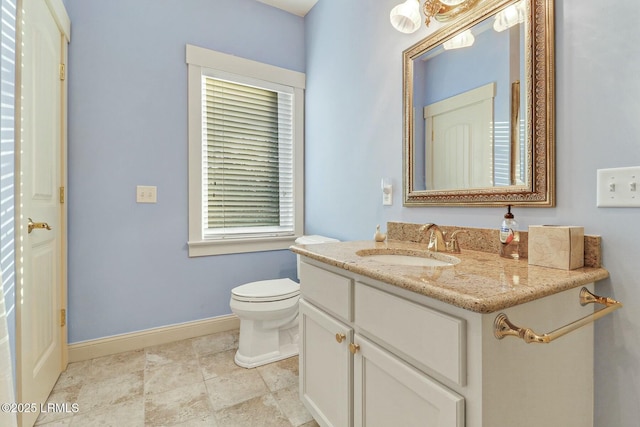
x: 409, y: 258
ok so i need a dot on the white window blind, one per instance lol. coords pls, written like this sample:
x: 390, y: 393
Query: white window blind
x: 247, y: 159
x: 7, y: 171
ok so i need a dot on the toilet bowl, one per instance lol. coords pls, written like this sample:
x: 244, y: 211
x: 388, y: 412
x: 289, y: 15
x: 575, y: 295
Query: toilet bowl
x: 268, y: 313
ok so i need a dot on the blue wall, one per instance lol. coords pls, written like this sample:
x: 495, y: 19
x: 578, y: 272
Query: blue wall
x: 354, y: 138
x: 128, y: 264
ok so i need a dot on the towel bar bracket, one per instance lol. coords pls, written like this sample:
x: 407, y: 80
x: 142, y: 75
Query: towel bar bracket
x: 502, y: 327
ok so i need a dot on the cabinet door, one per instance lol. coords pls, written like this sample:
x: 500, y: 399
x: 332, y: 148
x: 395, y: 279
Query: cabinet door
x: 326, y: 367
x: 388, y: 392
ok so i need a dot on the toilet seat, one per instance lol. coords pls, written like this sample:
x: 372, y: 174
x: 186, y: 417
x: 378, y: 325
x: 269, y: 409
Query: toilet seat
x: 266, y: 291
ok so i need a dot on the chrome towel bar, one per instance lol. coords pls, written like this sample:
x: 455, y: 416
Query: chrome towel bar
x: 502, y: 327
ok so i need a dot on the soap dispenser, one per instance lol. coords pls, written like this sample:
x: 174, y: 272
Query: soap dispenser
x: 509, y: 236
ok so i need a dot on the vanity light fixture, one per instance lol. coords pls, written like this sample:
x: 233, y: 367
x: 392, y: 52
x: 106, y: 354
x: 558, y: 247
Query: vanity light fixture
x: 405, y: 17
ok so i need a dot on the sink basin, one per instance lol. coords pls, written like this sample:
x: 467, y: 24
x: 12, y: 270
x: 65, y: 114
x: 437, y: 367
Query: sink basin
x: 416, y: 259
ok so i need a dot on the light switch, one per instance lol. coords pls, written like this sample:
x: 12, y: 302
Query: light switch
x: 618, y: 187
x: 146, y: 194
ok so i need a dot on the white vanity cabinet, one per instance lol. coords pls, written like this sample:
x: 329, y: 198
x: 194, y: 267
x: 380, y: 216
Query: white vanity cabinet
x: 347, y: 379
x: 326, y: 367
x: 373, y: 354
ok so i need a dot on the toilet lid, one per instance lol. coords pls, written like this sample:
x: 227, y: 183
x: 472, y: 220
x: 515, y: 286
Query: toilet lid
x: 266, y: 290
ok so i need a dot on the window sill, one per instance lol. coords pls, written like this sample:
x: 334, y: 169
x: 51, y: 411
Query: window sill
x: 237, y: 246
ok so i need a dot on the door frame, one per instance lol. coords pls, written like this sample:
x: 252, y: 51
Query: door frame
x: 63, y: 22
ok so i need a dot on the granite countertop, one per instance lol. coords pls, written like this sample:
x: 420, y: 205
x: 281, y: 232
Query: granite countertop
x: 482, y: 282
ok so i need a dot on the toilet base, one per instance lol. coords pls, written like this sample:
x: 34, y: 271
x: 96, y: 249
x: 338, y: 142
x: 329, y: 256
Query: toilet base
x: 285, y: 352
x: 288, y: 339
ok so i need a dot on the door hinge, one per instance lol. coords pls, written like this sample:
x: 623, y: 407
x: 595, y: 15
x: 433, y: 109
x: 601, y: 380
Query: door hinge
x: 62, y: 72
x: 62, y: 195
x: 63, y: 317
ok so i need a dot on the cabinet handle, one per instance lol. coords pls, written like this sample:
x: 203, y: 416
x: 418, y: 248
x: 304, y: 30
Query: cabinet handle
x: 354, y: 348
x: 502, y: 327
x: 340, y: 337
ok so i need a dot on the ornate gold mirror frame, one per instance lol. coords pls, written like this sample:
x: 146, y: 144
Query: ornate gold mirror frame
x: 539, y: 188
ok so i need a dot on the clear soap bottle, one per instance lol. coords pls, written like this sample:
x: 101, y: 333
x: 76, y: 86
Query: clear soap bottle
x: 509, y: 236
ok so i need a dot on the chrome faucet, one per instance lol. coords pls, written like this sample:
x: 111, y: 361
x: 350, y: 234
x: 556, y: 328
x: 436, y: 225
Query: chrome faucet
x: 438, y: 239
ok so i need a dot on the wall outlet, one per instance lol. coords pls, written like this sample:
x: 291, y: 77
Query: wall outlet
x: 146, y: 194
x: 619, y: 187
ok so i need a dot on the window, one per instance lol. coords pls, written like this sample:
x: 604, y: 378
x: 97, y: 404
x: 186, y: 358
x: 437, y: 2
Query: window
x: 245, y: 154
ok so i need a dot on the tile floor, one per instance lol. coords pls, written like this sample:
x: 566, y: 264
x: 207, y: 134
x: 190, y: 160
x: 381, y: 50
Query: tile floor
x: 187, y: 383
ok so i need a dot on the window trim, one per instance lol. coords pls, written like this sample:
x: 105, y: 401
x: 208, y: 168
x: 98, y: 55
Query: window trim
x: 199, y: 59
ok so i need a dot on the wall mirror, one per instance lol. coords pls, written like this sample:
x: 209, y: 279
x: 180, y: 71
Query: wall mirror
x: 479, y: 109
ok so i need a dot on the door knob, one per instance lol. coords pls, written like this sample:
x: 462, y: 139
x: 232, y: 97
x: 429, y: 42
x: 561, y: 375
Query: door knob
x: 340, y: 337
x: 31, y: 225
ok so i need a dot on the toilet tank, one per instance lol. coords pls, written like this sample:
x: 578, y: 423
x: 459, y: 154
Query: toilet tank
x: 311, y: 240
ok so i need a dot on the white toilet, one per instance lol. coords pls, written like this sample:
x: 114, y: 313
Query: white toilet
x: 268, y: 312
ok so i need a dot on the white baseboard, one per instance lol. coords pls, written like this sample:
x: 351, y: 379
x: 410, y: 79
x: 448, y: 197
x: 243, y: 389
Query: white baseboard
x: 91, y: 349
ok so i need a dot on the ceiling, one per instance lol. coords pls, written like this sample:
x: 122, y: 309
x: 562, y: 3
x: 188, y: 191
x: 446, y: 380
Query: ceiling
x: 297, y: 7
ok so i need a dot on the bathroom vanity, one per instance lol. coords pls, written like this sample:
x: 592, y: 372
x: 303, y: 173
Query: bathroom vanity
x: 384, y: 344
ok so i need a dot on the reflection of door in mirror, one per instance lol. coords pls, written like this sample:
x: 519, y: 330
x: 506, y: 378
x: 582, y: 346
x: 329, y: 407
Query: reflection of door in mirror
x: 459, y: 140
x: 441, y: 74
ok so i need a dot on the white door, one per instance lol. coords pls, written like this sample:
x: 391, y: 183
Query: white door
x: 389, y: 392
x: 41, y: 333
x: 459, y: 140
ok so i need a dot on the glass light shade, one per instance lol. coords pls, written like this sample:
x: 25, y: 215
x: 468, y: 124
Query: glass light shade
x: 452, y: 2
x: 509, y: 17
x: 405, y: 17
x: 464, y: 39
